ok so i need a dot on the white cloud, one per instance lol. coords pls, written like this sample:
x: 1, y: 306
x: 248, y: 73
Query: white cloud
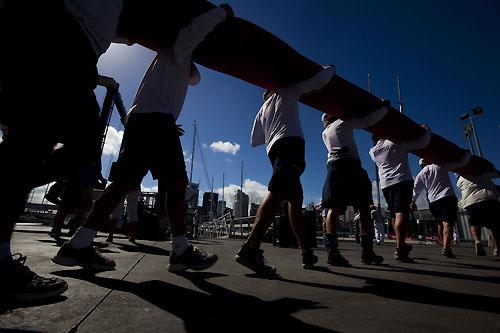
x: 113, y: 142
x: 187, y: 158
x: 149, y: 189
x: 225, y: 147
x: 255, y: 191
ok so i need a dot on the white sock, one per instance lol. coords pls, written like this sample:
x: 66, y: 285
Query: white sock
x: 179, y: 244
x: 82, y: 238
x: 5, y: 253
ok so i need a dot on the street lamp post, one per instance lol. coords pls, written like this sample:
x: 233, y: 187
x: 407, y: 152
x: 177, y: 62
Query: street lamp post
x: 477, y: 111
x: 468, y: 131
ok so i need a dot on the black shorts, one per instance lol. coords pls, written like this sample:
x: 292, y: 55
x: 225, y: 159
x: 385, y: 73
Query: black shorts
x: 150, y: 143
x: 398, y: 197
x: 445, y: 210
x: 346, y: 184
x: 287, y: 156
x: 485, y: 214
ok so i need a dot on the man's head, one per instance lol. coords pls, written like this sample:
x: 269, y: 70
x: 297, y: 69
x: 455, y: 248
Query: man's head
x: 266, y: 94
x: 194, y: 77
x: 327, y: 119
x: 423, y: 163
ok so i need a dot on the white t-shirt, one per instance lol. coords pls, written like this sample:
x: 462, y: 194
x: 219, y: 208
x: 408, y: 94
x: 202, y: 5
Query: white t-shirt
x: 436, y: 182
x: 98, y: 18
x: 279, y: 115
x: 392, y: 159
x: 477, y: 188
x: 339, y: 135
x: 165, y: 83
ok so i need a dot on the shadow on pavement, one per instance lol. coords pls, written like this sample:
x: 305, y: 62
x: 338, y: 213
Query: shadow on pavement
x: 143, y: 248
x: 200, y: 310
x: 409, y: 292
x: 12, y: 305
x: 447, y: 275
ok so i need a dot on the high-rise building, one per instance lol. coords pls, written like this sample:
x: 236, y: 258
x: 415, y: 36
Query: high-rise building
x: 193, y: 203
x: 240, y: 204
x: 221, y: 208
x: 210, y: 199
x: 253, y: 209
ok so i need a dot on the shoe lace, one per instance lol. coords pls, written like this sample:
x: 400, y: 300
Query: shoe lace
x: 20, y: 265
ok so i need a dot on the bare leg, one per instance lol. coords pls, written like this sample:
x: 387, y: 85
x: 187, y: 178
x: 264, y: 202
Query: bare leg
x: 175, y: 206
x: 265, y: 216
x: 476, y: 233
x: 365, y: 220
x: 495, y: 236
x: 331, y: 220
x: 112, y: 229
x: 447, y: 235
x: 106, y: 203
x: 298, y: 223
x: 401, y: 227
x: 59, y: 220
x: 131, y: 230
x: 440, y: 233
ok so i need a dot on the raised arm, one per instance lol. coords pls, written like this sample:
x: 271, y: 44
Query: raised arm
x: 317, y: 81
x: 368, y: 120
x: 190, y: 36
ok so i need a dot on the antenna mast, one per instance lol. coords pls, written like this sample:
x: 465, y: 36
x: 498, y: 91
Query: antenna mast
x: 192, y: 154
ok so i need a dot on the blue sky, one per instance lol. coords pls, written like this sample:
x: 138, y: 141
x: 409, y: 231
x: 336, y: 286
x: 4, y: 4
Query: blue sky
x: 445, y: 52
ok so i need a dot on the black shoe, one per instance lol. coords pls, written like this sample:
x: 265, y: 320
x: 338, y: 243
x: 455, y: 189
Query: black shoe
x: 371, y: 258
x: 193, y: 258
x: 480, y: 249
x: 19, y: 283
x: 402, y: 255
x: 55, y: 234
x: 447, y: 252
x: 309, y: 259
x: 408, y: 247
x: 88, y: 257
x: 254, y: 260
x: 336, y: 259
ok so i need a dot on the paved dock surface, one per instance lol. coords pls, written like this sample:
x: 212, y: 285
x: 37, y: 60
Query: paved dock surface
x: 435, y: 294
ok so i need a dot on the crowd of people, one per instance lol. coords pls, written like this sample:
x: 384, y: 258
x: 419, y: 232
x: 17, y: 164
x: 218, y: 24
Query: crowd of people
x: 76, y: 34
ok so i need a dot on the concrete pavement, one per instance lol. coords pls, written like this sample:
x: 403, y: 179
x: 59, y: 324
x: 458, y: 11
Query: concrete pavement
x: 435, y: 294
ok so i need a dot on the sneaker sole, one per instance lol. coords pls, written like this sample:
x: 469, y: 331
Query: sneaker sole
x: 35, y: 297
x: 369, y: 262
x: 176, y: 268
x: 406, y: 260
x: 310, y: 265
x: 250, y: 266
x: 72, y: 262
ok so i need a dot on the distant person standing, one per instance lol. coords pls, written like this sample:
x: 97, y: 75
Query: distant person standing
x: 396, y: 181
x: 277, y: 125
x: 348, y: 184
x: 442, y: 200
x: 378, y: 220
x: 480, y: 198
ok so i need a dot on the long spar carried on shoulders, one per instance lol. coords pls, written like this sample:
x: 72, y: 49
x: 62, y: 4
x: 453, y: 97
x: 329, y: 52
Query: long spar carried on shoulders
x: 234, y: 48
